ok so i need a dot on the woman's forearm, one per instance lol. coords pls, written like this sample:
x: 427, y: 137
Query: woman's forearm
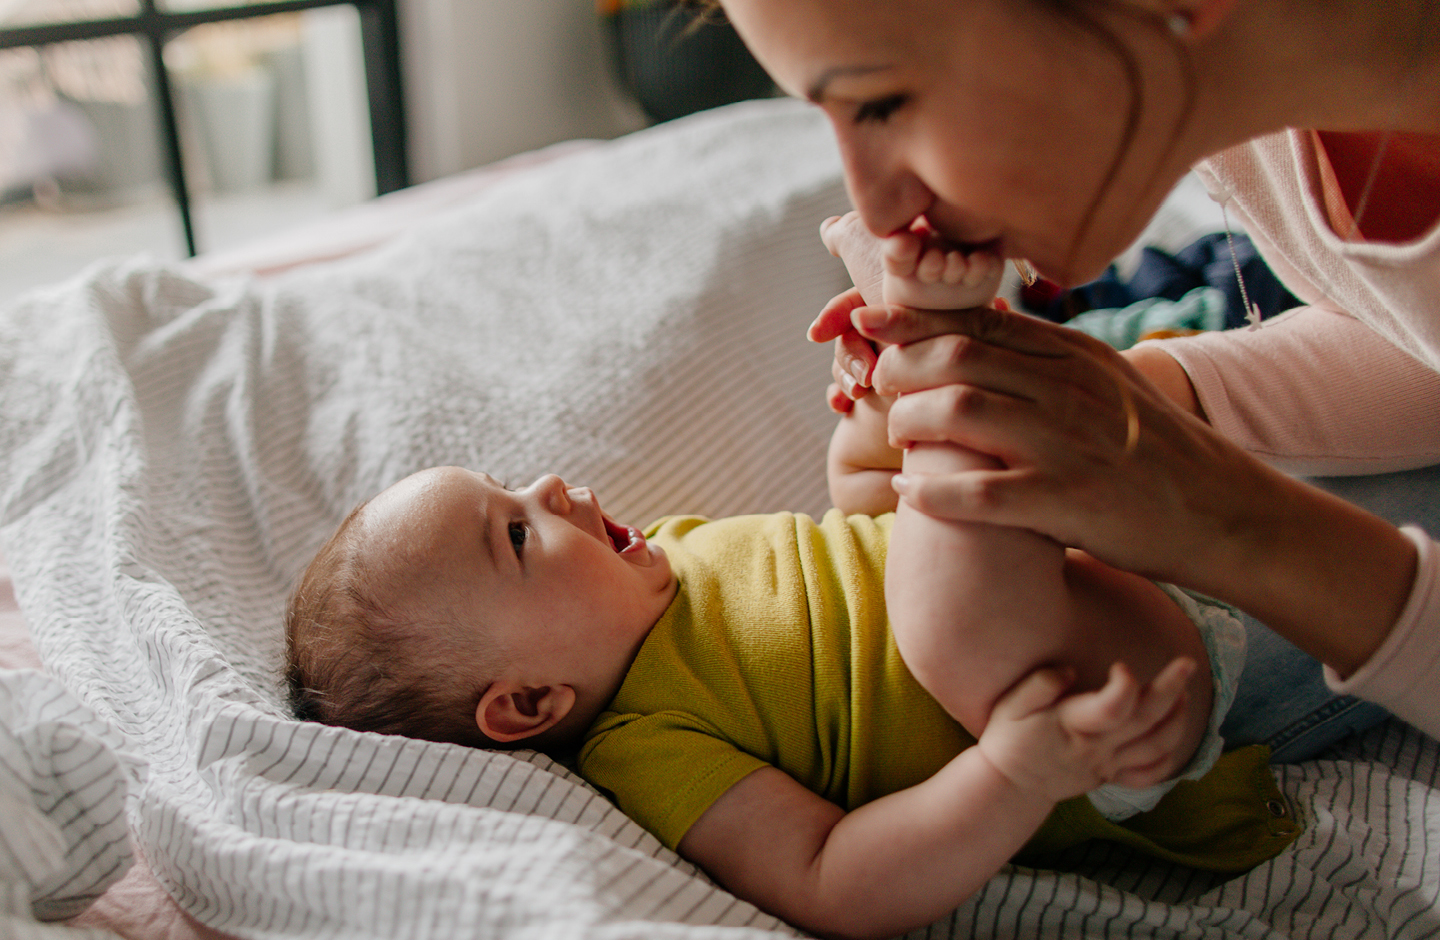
x: 1325, y: 574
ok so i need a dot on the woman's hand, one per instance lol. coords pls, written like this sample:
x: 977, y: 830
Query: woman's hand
x: 855, y: 356
x: 1094, y: 455
x: 1098, y: 458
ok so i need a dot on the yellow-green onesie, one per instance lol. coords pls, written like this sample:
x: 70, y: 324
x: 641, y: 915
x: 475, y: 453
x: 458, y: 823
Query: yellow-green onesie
x: 777, y: 650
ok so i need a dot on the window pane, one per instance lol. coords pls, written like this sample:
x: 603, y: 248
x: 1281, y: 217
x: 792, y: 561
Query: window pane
x: 274, y: 132
x: 80, y: 165
x: 40, y: 12
x: 259, y: 101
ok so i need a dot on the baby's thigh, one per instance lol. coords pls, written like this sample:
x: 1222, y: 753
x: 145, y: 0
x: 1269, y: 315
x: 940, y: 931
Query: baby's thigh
x: 973, y: 607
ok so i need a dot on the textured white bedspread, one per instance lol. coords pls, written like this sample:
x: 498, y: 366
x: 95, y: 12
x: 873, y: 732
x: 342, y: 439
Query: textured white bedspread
x: 631, y: 317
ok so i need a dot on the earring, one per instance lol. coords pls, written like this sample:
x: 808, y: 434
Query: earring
x: 1179, y: 24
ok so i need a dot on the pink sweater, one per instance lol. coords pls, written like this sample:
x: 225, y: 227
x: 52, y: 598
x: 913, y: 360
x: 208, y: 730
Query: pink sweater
x: 1348, y: 384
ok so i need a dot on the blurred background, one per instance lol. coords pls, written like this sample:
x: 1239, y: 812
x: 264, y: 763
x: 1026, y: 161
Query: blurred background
x: 183, y: 126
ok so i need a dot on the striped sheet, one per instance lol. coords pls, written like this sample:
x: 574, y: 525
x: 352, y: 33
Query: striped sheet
x: 631, y: 317
x: 64, y: 780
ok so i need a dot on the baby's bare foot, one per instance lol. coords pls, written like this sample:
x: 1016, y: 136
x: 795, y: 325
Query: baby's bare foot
x: 848, y: 239
x: 921, y: 272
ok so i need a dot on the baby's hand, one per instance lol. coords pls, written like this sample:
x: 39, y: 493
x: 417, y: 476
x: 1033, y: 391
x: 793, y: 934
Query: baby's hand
x: 1061, y: 745
x: 921, y: 270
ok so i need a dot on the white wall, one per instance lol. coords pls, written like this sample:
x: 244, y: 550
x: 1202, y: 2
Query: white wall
x: 489, y: 78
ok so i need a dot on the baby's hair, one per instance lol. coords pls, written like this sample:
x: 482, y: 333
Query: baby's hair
x: 358, y: 661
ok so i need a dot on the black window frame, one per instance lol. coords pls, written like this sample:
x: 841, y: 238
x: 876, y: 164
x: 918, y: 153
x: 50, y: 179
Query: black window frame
x: 380, y: 48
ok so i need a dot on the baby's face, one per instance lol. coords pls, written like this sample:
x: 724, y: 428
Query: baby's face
x: 550, y: 577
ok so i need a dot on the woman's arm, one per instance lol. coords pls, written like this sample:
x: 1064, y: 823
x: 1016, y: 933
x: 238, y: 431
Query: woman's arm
x: 1174, y: 500
x: 1313, y: 392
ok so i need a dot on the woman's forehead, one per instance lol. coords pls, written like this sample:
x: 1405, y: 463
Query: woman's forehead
x: 801, y: 39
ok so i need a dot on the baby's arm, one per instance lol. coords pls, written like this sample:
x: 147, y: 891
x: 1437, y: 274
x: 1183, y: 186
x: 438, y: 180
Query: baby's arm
x: 909, y: 858
x: 861, y: 461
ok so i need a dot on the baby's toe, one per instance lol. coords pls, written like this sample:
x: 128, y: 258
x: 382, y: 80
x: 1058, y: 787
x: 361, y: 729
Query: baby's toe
x: 901, y: 253
x: 955, y: 267
x: 980, y: 269
x: 932, y: 266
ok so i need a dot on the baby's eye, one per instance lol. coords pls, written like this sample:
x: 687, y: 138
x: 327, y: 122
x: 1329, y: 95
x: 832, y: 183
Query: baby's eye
x: 517, y: 537
x: 879, y: 110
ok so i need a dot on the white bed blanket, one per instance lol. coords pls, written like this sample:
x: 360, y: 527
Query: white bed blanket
x: 631, y: 317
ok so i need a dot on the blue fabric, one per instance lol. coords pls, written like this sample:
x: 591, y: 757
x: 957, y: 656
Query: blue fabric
x: 1201, y: 309
x: 1283, y: 700
x: 1206, y: 262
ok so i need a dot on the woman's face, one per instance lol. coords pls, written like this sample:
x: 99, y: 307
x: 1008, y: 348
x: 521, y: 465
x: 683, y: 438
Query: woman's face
x: 995, y: 119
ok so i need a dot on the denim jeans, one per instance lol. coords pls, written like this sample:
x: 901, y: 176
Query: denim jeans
x: 1283, y: 700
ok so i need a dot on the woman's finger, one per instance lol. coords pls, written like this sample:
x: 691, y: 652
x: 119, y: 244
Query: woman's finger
x: 901, y: 326
x: 837, y: 400
x: 834, y: 318
x: 959, y: 358
x: 855, y: 361
x: 999, y: 497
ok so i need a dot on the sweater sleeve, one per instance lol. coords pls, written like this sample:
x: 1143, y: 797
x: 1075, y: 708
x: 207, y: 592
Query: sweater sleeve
x: 1402, y: 674
x: 1316, y: 392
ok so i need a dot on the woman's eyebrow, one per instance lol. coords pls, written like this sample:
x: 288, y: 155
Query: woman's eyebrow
x: 816, y: 92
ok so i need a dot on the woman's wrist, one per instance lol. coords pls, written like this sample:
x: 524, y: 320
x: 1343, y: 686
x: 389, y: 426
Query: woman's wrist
x: 1327, y: 575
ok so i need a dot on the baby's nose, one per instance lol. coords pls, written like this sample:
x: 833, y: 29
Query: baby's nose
x: 553, y: 491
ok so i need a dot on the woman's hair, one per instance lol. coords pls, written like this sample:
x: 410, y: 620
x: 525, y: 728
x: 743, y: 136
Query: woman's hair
x: 1081, y: 14
x: 357, y: 661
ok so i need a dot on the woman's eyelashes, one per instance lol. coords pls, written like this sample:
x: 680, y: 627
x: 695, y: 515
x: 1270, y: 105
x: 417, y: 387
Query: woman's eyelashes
x: 518, y: 533
x: 879, y: 110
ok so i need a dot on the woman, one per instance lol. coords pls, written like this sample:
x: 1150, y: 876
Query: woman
x: 1051, y: 130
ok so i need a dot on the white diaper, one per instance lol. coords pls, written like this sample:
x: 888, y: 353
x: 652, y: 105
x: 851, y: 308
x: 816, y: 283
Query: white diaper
x: 1224, y: 637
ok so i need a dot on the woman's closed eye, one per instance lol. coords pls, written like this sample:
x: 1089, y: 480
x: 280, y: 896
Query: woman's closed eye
x: 879, y: 110
x: 518, y: 534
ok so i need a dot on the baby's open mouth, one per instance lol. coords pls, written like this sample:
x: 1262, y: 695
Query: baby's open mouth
x: 621, y: 536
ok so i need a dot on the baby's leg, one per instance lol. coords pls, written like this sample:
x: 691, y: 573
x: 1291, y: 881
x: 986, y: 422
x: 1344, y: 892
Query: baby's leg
x: 977, y: 607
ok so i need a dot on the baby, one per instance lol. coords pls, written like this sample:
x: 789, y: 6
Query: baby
x: 736, y: 687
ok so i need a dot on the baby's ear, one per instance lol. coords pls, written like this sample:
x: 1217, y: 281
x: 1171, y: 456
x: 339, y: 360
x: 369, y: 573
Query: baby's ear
x: 510, y: 712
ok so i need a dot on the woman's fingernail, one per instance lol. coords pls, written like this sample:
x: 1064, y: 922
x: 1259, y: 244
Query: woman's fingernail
x: 847, y: 385
x: 900, y: 483
x: 857, y: 370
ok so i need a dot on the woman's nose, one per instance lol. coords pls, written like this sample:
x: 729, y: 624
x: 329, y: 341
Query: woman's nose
x: 883, y: 190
